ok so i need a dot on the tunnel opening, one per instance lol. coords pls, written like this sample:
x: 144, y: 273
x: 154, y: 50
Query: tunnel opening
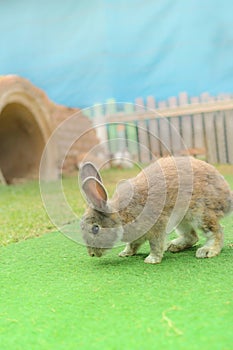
x: 21, y: 143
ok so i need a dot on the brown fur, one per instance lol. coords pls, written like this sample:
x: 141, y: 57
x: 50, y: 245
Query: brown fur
x: 182, y: 193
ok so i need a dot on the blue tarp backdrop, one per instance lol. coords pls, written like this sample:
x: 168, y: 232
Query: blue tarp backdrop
x: 83, y: 52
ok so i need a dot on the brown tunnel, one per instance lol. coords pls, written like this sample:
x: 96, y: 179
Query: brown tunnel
x: 21, y: 143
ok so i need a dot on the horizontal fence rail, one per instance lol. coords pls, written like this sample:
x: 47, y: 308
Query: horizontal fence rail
x: 199, y: 126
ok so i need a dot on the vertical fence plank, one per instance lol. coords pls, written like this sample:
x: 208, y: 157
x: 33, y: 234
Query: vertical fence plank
x: 121, y: 139
x: 131, y: 132
x: 99, y: 119
x: 205, y: 97
x: 186, y: 123
x: 229, y: 133
x: 164, y: 132
x: 183, y: 98
x: 153, y: 127
x: 224, y: 139
x: 111, y: 108
x: 210, y: 137
x: 139, y: 105
x: 176, y: 140
x: 198, y: 130
x: 210, y: 131
x: 220, y: 133
x: 150, y: 104
x: 143, y: 135
x: 187, y: 132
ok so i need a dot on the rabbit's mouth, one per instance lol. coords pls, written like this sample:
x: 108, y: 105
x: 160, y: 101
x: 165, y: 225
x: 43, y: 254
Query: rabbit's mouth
x: 98, y: 252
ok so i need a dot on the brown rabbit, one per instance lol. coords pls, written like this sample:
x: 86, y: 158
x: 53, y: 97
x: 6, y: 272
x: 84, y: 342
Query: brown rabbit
x: 179, y: 193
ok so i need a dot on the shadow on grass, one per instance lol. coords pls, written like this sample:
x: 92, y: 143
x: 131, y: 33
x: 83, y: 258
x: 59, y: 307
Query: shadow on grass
x: 176, y: 260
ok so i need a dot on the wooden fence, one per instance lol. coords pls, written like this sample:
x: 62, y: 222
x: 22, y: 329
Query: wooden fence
x: 200, y: 126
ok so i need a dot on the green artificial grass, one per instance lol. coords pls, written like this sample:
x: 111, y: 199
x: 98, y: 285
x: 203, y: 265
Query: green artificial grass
x: 54, y: 296
x: 22, y: 214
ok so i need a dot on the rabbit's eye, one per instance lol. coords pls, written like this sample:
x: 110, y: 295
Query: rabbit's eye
x: 95, y: 229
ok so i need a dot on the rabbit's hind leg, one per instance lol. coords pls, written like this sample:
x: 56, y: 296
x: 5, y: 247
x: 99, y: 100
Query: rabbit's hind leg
x: 214, y: 239
x: 187, y: 238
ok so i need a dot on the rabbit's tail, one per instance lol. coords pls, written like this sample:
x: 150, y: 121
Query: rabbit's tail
x: 231, y: 208
x: 231, y: 203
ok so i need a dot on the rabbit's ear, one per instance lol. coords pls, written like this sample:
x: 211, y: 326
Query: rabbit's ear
x: 96, y: 193
x: 88, y: 169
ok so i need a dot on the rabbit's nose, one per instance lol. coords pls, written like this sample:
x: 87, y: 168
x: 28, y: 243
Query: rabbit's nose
x: 90, y: 251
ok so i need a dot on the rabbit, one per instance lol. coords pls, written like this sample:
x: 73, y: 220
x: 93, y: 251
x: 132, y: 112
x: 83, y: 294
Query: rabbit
x: 181, y: 193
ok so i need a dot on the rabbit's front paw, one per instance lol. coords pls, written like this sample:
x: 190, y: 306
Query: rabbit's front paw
x: 174, y: 248
x: 125, y: 253
x: 151, y: 259
x: 206, y: 252
x: 181, y: 243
